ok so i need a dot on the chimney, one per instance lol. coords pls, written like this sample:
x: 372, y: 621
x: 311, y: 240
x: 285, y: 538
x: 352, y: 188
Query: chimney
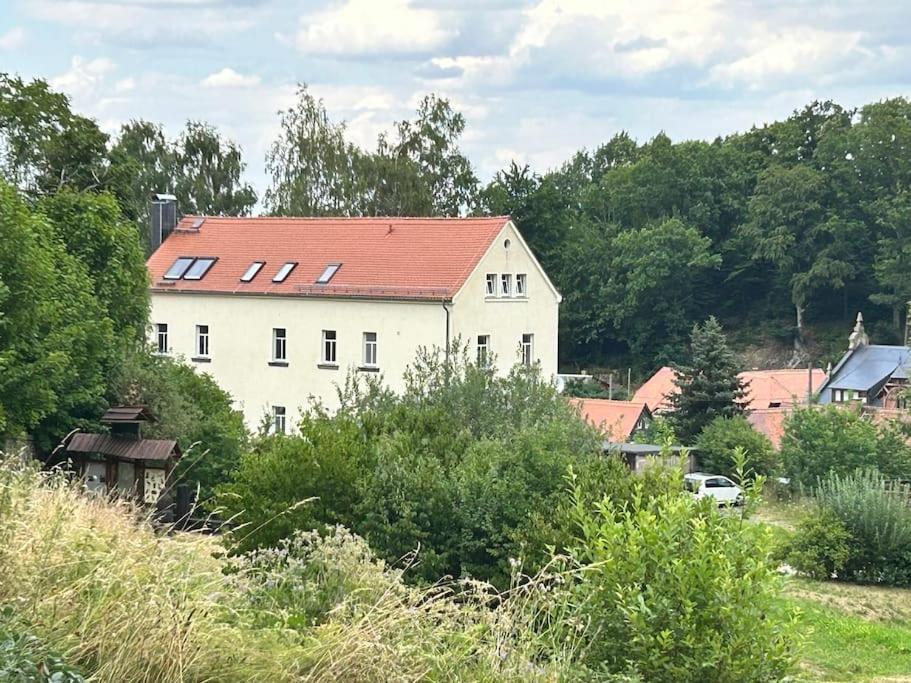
x: 163, y: 219
x: 858, y: 336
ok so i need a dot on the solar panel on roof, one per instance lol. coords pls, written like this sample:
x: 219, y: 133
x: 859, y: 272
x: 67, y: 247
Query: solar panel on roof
x: 284, y: 271
x: 251, y: 272
x: 327, y: 274
x: 199, y: 268
x: 178, y: 268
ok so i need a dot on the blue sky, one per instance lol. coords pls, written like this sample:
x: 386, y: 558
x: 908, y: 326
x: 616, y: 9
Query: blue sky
x: 536, y: 79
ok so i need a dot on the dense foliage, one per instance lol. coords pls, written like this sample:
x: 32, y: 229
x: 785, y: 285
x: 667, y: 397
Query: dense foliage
x: 834, y: 439
x: 707, y: 381
x: 721, y: 437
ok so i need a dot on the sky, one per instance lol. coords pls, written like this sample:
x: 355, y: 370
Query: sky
x: 536, y: 80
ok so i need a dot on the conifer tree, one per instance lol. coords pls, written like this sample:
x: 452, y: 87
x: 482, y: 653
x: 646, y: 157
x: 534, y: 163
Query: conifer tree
x: 708, y: 383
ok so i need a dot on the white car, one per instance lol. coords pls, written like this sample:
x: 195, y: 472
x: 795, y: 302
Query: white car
x: 722, y: 489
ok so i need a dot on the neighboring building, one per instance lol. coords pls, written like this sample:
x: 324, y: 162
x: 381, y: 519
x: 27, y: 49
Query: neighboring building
x: 770, y: 422
x: 123, y: 461
x: 640, y: 456
x: 869, y: 374
x: 765, y: 388
x: 619, y: 420
x: 279, y: 309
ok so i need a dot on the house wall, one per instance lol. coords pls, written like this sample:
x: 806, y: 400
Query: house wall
x: 506, y: 319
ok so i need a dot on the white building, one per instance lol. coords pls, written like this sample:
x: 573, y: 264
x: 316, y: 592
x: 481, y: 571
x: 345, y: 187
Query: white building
x: 278, y: 309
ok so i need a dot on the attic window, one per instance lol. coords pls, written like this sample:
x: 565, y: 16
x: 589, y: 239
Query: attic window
x: 327, y: 274
x: 284, y: 271
x: 252, y: 271
x: 178, y: 268
x: 199, y: 268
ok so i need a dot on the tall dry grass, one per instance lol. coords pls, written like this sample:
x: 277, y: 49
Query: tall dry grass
x: 96, y: 582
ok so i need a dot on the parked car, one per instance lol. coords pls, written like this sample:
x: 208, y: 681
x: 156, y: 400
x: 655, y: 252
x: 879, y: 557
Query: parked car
x: 722, y: 489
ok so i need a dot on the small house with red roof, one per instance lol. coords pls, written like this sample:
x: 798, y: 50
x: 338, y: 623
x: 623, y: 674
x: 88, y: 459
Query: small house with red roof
x: 278, y: 310
x: 619, y: 420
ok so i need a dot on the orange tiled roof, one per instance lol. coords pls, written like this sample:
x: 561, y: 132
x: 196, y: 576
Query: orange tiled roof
x: 765, y: 387
x: 770, y: 421
x: 616, y: 418
x: 413, y: 258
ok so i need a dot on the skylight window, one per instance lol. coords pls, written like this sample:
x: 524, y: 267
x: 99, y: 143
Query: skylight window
x: 284, y: 271
x: 199, y: 268
x: 327, y: 274
x: 178, y: 268
x: 252, y: 271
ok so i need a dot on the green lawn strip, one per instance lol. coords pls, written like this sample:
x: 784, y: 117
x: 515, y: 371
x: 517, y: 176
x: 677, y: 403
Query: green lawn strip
x: 845, y: 647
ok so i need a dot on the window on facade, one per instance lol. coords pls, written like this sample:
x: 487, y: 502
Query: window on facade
x: 279, y: 343
x: 327, y: 274
x: 278, y: 419
x: 521, y: 284
x: 199, y: 268
x: 284, y: 271
x: 202, y: 340
x: 483, y: 350
x: 528, y: 351
x: 329, y: 346
x: 839, y: 396
x: 491, y: 284
x: 506, y: 284
x: 178, y: 268
x: 251, y: 272
x: 161, y: 334
x: 370, y: 357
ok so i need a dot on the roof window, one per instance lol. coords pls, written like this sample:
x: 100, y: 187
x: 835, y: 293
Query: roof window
x: 284, y: 271
x: 178, y: 268
x: 327, y: 274
x: 199, y: 268
x: 251, y: 272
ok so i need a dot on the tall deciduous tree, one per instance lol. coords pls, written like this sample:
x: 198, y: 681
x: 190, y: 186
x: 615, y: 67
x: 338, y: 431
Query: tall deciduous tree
x: 708, y: 383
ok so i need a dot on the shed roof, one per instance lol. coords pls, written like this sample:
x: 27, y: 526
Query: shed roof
x: 618, y: 419
x: 126, y: 449
x: 128, y: 414
x: 407, y: 258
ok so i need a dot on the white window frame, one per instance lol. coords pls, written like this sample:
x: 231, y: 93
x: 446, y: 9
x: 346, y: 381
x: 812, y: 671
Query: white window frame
x: 252, y: 271
x: 528, y: 348
x: 490, y: 284
x: 330, y: 344
x: 839, y: 396
x: 521, y: 284
x: 483, y: 350
x: 161, y: 338
x: 280, y: 344
x: 371, y: 349
x: 202, y: 341
x: 279, y: 419
x: 506, y: 284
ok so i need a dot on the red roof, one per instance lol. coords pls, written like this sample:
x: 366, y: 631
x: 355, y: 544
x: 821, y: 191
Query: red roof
x: 617, y: 419
x: 769, y: 421
x: 765, y: 388
x: 413, y: 258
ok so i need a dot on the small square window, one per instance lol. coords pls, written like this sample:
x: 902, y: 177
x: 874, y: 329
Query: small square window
x: 251, y: 272
x: 329, y: 346
x: 521, y: 284
x: 278, y: 419
x: 279, y: 344
x: 506, y: 284
x: 202, y: 340
x: 161, y: 334
x: 284, y: 271
x: 178, y: 268
x: 327, y: 273
x: 199, y: 268
x: 491, y: 284
x: 370, y: 349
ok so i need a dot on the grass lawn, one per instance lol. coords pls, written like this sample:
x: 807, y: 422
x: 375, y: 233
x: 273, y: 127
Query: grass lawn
x: 852, y: 633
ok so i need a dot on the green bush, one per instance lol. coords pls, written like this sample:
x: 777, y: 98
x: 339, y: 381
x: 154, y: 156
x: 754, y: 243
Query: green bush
x: 877, y: 514
x: 24, y: 659
x: 719, y: 439
x: 820, y: 546
x: 674, y: 590
x: 833, y: 439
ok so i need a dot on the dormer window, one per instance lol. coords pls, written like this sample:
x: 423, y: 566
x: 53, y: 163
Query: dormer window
x: 178, y: 268
x: 327, y: 274
x: 284, y: 271
x: 251, y: 272
x: 199, y: 268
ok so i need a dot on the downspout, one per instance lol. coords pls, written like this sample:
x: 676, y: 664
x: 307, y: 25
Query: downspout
x: 446, y: 309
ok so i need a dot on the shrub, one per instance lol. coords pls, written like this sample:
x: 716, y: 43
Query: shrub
x: 719, y: 439
x: 833, y: 439
x: 674, y: 590
x: 820, y: 546
x: 24, y: 658
x: 877, y: 515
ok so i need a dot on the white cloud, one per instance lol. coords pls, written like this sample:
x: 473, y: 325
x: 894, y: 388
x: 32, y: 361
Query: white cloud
x: 368, y: 27
x: 12, y: 39
x: 229, y: 78
x: 125, y: 85
x: 83, y: 76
